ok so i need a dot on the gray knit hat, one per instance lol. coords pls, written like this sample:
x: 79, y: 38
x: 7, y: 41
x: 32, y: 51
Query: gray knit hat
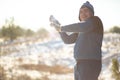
x: 88, y: 5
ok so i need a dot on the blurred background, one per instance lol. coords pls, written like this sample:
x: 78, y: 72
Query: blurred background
x: 30, y: 49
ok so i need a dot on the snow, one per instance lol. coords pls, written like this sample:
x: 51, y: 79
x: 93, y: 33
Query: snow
x: 55, y: 52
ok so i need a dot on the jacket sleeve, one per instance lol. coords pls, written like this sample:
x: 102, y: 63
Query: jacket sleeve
x: 68, y: 39
x: 83, y: 26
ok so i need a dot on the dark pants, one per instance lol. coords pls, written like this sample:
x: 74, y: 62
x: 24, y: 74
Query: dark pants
x: 87, y: 69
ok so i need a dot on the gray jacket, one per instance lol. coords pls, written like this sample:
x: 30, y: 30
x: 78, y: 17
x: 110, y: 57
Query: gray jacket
x: 87, y: 36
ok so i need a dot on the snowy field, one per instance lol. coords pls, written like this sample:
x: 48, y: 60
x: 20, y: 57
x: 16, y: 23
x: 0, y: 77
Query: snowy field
x: 52, y: 60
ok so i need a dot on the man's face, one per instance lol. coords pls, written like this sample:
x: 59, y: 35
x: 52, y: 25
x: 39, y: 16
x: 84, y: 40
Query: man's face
x: 85, y: 13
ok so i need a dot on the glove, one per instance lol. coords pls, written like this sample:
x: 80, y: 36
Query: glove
x: 55, y: 23
x: 56, y: 26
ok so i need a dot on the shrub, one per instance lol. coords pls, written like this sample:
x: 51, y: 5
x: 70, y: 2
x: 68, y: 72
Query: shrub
x: 115, y: 69
x: 115, y: 29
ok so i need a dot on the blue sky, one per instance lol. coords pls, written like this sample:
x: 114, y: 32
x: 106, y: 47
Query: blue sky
x: 34, y: 14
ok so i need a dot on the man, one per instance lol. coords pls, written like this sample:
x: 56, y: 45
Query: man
x: 87, y: 36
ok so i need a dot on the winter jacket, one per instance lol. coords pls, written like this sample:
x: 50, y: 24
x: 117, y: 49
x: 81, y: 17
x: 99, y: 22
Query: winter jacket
x: 87, y: 36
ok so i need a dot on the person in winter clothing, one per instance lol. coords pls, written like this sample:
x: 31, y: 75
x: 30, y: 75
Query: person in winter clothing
x: 87, y: 36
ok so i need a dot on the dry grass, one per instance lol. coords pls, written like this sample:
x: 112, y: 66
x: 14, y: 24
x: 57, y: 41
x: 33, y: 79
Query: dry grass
x: 21, y: 77
x: 56, y: 69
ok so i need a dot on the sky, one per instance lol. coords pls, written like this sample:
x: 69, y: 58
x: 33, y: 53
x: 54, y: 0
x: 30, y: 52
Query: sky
x: 34, y: 14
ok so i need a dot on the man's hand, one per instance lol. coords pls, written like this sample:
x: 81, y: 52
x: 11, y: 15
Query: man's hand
x: 56, y: 26
x: 55, y: 23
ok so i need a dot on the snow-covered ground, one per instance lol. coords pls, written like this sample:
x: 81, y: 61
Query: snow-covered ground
x: 53, y: 53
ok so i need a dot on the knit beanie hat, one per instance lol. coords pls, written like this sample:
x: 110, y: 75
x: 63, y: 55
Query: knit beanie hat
x: 89, y: 6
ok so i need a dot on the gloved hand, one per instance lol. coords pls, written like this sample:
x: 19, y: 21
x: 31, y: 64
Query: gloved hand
x: 56, y: 26
x: 55, y: 23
